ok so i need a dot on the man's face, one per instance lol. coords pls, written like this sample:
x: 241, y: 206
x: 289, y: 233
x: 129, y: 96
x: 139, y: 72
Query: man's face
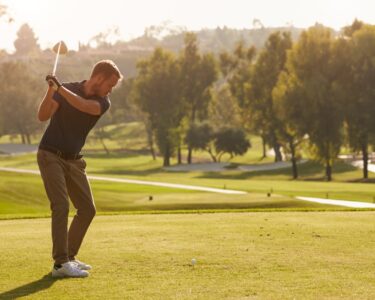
x: 103, y: 86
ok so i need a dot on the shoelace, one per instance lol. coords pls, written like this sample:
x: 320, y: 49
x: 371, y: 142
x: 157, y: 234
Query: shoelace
x: 79, y: 263
x: 76, y: 263
x: 74, y: 268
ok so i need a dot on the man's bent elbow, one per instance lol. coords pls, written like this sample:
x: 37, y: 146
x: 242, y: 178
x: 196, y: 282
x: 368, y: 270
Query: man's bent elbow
x: 94, y: 110
x: 42, y: 118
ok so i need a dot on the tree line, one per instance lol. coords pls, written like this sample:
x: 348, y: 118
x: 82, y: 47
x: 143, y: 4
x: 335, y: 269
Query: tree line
x: 317, y: 91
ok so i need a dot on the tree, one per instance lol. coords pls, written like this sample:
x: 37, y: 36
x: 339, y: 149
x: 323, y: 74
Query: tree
x: 311, y: 63
x: 198, y: 74
x: 123, y: 106
x: 225, y: 140
x: 199, y: 136
x: 237, y: 71
x: 232, y: 141
x: 355, y: 85
x: 3, y: 10
x: 224, y: 108
x: 348, y: 31
x: 26, y: 42
x: 20, y: 96
x: 100, y: 134
x: 5, y: 13
x: 289, y: 106
x: 105, y: 39
x: 157, y: 93
x: 125, y: 109
x: 267, y: 68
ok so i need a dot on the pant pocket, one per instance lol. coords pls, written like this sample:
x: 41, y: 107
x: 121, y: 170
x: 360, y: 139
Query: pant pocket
x: 45, y: 158
x: 79, y: 163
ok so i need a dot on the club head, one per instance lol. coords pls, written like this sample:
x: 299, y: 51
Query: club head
x: 63, y: 48
x: 59, y: 48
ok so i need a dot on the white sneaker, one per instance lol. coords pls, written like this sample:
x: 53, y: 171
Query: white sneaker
x: 81, y: 265
x: 68, y: 269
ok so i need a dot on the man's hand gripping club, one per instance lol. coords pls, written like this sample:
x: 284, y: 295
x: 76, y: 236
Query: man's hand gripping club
x: 53, y: 82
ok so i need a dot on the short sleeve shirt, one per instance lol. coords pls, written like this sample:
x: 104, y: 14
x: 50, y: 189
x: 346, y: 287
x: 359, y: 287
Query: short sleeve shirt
x: 69, y: 127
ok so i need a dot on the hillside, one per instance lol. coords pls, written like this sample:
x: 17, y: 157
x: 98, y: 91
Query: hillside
x: 77, y: 64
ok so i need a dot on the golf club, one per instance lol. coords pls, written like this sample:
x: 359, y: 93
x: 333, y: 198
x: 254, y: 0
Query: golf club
x: 59, y: 48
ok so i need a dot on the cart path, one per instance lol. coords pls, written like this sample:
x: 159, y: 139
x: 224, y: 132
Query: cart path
x: 359, y: 164
x: 17, y: 149
x: 352, y: 204
x: 141, y: 182
x: 220, y: 167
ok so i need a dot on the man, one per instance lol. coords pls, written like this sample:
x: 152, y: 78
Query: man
x: 73, y: 109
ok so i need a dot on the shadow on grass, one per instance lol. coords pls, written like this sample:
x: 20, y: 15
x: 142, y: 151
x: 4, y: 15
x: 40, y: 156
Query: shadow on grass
x: 147, y: 172
x: 114, y: 154
x: 140, y: 169
x: 30, y: 288
x: 309, y: 171
x: 276, y: 204
x: 363, y: 180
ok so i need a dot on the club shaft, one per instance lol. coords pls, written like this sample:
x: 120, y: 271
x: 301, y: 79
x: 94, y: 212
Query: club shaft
x: 56, y: 60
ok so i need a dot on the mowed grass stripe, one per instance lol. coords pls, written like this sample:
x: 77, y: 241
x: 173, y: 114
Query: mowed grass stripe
x: 142, y: 167
x: 23, y: 195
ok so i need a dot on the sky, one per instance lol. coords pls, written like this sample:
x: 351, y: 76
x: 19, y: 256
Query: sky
x: 77, y: 21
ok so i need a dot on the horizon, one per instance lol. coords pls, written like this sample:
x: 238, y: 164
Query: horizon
x: 72, y: 23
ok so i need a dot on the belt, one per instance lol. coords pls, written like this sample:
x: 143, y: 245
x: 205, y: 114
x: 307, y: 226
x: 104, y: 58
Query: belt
x: 61, y: 154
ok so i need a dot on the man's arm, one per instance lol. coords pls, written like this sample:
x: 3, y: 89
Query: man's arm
x: 88, y: 106
x: 91, y: 107
x: 48, y: 106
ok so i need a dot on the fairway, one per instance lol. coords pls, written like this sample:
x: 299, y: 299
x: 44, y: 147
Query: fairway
x: 239, y: 256
x: 115, y: 198
x: 264, y: 244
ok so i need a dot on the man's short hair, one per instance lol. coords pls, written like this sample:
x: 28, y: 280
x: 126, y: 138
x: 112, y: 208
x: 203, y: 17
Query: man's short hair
x: 107, y: 68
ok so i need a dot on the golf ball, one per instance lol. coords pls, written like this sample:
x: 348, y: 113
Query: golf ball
x: 193, y: 261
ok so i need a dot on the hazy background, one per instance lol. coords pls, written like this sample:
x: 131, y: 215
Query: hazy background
x: 75, y: 21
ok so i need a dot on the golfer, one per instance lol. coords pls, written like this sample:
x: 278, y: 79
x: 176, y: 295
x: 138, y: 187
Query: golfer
x: 73, y: 109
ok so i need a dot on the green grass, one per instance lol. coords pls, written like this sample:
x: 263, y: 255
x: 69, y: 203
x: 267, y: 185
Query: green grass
x: 134, y: 163
x: 30, y: 200
x: 129, y: 136
x: 132, y: 137
x: 276, y: 248
x: 23, y: 195
x: 290, y: 255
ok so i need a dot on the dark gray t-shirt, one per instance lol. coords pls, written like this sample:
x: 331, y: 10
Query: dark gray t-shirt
x: 69, y: 127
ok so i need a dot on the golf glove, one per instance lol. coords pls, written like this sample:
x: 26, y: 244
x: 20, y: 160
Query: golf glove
x: 53, y: 82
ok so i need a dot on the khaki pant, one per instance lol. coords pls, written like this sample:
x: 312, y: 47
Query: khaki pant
x: 64, y: 179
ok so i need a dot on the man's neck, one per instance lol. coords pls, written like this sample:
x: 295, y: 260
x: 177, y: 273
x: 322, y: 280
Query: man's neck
x: 87, y: 88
